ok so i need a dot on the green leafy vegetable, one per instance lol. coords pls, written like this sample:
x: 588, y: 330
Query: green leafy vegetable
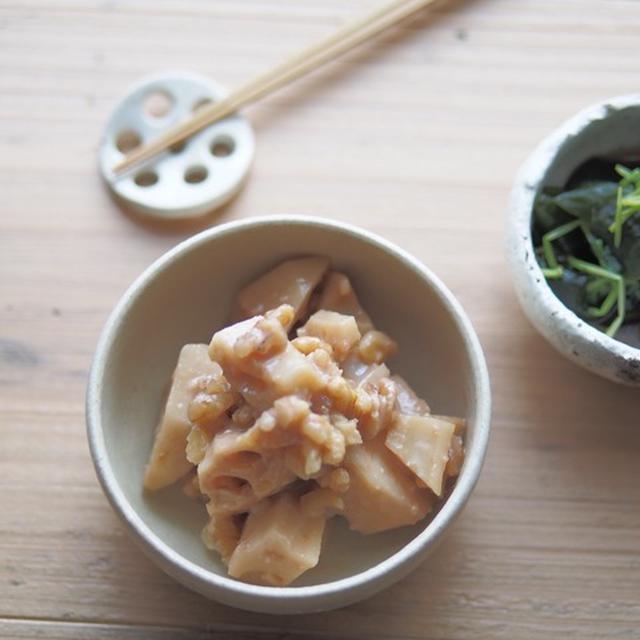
x: 589, y: 247
x: 627, y: 200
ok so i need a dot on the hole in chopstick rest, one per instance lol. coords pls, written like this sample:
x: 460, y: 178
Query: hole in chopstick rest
x: 222, y: 146
x: 196, y: 174
x: 157, y: 104
x: 127, y: 140
x: 178, y: 147
x: 202, y: 102
x: 146, y: 178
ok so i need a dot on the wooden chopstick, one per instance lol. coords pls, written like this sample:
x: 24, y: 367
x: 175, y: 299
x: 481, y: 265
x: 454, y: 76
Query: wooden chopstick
x: 346, y: 38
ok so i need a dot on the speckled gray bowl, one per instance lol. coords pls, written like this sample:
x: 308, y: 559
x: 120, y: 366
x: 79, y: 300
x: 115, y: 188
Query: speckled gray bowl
x: 607, y: 129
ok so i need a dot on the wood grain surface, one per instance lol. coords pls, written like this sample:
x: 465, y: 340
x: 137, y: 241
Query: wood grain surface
x: 416, y: 137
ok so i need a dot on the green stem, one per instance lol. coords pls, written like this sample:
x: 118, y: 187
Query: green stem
x: 547, y: 246
x: 553, y: 274
x: 626, y: 205
x: 618, y: 286
x: 593, y: 243
x: 622, y: 300
x: 624, y: 173
x: 617, y: 222
x: 607, y: 304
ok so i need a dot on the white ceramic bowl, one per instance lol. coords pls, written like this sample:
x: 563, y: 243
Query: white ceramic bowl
x: 183, y: 297
x: 607, y: 129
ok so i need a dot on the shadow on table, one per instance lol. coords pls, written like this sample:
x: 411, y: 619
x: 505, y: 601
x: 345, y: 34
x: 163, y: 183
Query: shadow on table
x: 174, y: 227
x: 574, y: 436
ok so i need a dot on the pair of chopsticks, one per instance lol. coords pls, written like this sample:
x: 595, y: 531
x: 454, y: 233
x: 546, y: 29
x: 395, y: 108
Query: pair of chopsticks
x: 346, y: 38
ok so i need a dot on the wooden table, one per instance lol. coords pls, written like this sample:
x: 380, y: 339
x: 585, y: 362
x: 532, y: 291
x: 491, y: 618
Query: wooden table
x: 417, y: 138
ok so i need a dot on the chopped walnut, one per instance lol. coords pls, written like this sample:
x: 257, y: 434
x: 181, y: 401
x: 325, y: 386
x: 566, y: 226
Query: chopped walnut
x: 267, y: 337
x: 309, y: 440
x: 308, y: 344
x: 375, y: 407
x: 340, y: 394
x: 198, y: 441
x: 244, y: 416
x: 260, y: 362
x: 335, y: 479
x: 325, y: 365
x: 348, y: 427
x: 213, y: 395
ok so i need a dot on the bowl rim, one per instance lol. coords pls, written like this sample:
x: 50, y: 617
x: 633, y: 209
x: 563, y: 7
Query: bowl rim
x: 193, y: 574
x: 529, y: 179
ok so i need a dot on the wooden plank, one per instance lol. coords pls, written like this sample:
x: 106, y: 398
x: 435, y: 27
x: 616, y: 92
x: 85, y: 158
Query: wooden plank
x: 416, y: 137
x: 63, y: 630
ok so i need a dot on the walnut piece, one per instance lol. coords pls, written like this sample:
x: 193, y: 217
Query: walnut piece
x: 260, y: 362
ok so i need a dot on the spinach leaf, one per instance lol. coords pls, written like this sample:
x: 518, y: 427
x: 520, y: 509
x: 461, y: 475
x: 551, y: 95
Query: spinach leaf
x: 602, y: 251
x: 547, y: 214
x: 593, y: 202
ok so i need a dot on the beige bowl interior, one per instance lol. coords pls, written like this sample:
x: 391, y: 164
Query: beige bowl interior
x: 187, y: 297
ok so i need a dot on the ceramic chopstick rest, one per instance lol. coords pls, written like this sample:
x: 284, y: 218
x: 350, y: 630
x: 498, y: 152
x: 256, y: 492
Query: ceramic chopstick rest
x: 191, y: 179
